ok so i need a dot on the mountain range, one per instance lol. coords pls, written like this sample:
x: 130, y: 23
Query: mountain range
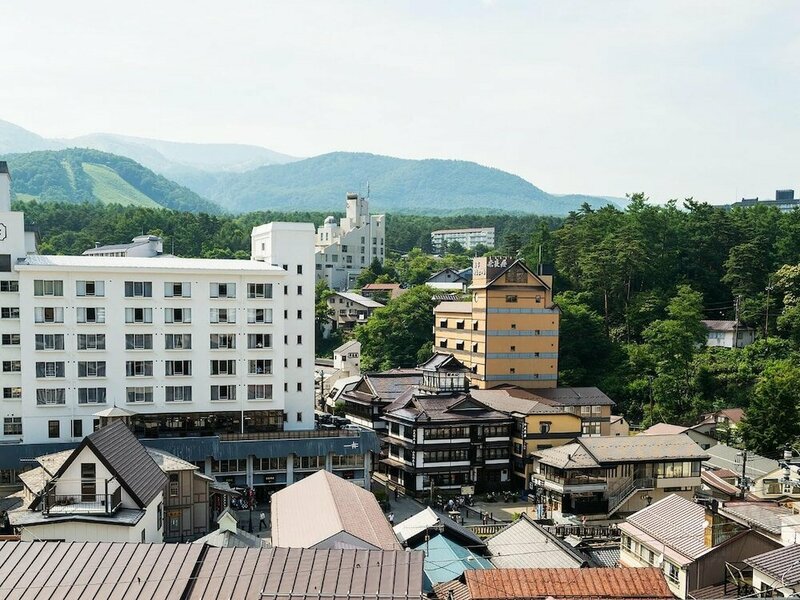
x: 240, y: 178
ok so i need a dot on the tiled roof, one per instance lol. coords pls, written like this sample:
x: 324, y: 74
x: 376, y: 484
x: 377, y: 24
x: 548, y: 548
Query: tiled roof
x: 533, y: 584
x: 322, y: 505
x: 388, y: 386
x: 424, y: 521
x: 126, y: 457
x: 713, y: 480
x: 414, y: 404
x: 782, y: 564
x: 575, y: 396
x: 196, y: 572
x: 676, y: 522
x: 441, y: 359
x: 716, y: 325
x: 526, y: 544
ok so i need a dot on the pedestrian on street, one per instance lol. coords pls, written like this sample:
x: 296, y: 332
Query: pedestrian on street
x: 391, y: 518
x: 485, y: 518
x: 262, y: 521
x: 395, y: 492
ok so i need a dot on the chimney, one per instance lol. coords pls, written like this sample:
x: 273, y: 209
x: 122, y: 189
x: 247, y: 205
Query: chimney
x: 5, y: 187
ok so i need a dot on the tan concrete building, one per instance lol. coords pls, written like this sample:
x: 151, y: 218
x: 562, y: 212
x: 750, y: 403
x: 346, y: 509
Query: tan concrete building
x: 508, y: 332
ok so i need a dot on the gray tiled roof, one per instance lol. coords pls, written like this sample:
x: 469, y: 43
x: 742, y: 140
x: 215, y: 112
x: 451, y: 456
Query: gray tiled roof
x: 388, y: 386
x: 575, y: 396
x: 511, y: 400
x: 782, y: 564
x: 727, y: 457
x: 675, y: 522
x: 768, y: 516
x: 608, y: 449
x: 127, y: 458
x: 414, y: 404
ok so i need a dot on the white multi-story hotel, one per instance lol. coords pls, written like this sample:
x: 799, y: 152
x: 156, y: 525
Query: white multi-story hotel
x: 468, y: 238
x: 185, y: 344
x: 343, y: 250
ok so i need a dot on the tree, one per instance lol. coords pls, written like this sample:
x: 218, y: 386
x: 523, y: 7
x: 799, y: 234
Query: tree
x: 772, y: 419
x: 583, y: 346
x: 395, y: 335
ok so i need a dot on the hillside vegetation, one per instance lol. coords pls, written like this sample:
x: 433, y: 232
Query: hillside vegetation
x: 80, y: 175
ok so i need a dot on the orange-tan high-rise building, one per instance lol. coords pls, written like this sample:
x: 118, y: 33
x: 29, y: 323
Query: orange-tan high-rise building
x: 508, y: 332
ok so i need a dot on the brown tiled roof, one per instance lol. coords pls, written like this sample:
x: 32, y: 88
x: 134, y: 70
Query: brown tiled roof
x: 195, y: 572
x: 315, y: 509
x: 531, y: 584
x: 515, y: 401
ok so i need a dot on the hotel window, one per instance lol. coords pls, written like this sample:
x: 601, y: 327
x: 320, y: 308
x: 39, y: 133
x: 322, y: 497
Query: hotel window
x: 177, y: 289
x: 9, y: 286
x: 259, y: 340
x: 177, y: 315
x: 460, y: 324
x: 49, y: 341
x: 299, y: 339
x: 89, y: 314
x: 12, y: 425
x: 671, y: 571
x: 259, y: 392
x: 443, y: 323
x: 92, y: 395
x: 53, y: 429
x: 49, y: 369
x: 223, y: 367
x: 91, y: 368
x: 596, y: 410
x: 299, y: 387
x: 223, y: 315
x: 10, y: 339
x: 178, y: 341
x: 511, y: 298
x: 544, y: 427
x: 223, y: 290
x: 90, y: 288
x: 48, y: 287
x: 299, y: 290
x: 48, y: 397
x: 139, y: 368
x: 223, y: 341
x: 459, y: 345
x: 300, y: 361
x: 174, y: 481
x: 138, y: 315
x: 442, y: 343
x: 259, y: 366
x: 12, y: 393
x: 299, y: 314
x: 12, y: 366
x: 259, y: 315
x: 9, y: 312
x: 259, y: 290
x: 48, y: 314
x: 138, y: 289
x: 221, y: 393
x: 92, y: 341
x: 299, y: 269
x: 138, y: 394
x: 178, y: 393
x: 177, y: 368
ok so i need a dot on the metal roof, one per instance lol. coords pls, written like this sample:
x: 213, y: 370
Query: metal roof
x: 610, y: 449
x: 530, y: 584
x: 728, y: 457
x: 151, y: 263
x: 358, y: 299
x: 514, y: 400
x: 526, y: 544
x: 195, y: 571
x: 767, y: 516
x: 782, y: 564
x: 676, y: 522
x: 125, y: 456
x: 446, y: 560
x: 322, y: 505
x: 453, y: 307
x: 424, y: 521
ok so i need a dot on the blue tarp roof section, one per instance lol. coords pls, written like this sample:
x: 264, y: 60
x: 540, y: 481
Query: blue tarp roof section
x: 199, y: 448
x: 447, y: 560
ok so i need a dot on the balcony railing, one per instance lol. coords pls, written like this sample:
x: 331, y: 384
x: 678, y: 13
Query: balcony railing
x: 77, y: 504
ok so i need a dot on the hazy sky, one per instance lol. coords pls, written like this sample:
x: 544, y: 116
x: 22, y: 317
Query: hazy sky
x: 673, y: 98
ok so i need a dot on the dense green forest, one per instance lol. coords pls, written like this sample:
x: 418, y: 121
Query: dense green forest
x: 632, y: 285
x: 79, y: 175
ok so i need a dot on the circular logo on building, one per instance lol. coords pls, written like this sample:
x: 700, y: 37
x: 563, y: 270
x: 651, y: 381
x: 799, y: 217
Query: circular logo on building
x: 3, y: 231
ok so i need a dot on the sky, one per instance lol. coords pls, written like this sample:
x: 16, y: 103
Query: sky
x: 672, y: 98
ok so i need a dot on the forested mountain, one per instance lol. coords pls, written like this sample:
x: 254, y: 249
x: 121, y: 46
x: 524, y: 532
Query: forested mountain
x: 243, y: 178
x: 80, y: 175
x: 397, y: 185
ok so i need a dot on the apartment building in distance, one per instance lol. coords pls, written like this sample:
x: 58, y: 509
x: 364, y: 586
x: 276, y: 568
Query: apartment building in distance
x: 343, y: 249
x: 508, y: 332
x: 468, y: 238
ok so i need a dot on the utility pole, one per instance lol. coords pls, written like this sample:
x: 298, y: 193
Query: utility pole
x: 766, y: 312
x: 743, y: 481
x: 736, y: 322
